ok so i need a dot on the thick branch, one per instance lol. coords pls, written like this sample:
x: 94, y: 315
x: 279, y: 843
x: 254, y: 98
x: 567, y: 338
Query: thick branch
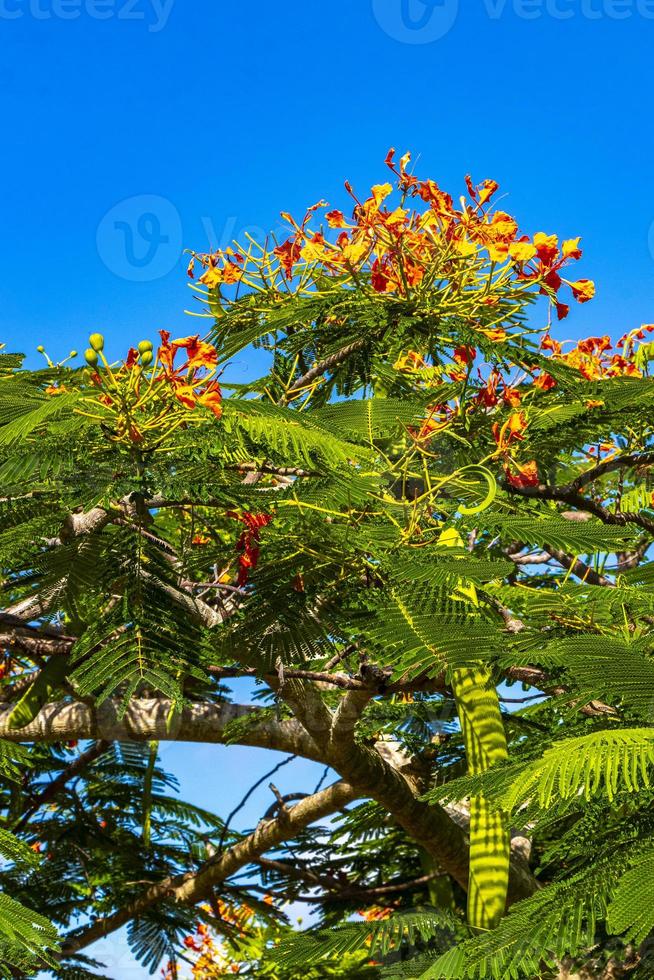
x: 194, y: 887
x: 347, y: 714
x: 34, y: 606
x: 35, y: 645
x: 397, y: 791
x: 284, y: 471
x: 336, y: 889
x: 610, y: 466
x: 569, y: 562
x: 536, y: 677
x: 149, y: 719
x: 580, y: 568
x: 9, y: 621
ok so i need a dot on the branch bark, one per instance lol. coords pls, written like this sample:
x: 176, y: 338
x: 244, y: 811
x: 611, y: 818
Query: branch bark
x: 324, y: 366
x: 570, y: 495
x: 337, y: 890
x: 149, y: 720
x: 397, y: 791
x: 196, y: 886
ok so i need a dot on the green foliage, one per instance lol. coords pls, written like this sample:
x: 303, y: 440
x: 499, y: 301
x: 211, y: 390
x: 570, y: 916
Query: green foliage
x: 27, y: 939
x: 379, y: 939
x: 606, y: 761
x: 158, y: 540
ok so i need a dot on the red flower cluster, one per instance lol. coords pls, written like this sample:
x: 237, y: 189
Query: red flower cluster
x: 220, y: 267
x: 547, y: 260
x: 248, y: 543
x: 142, y: 400
x: 189, y: 383
x: 213, y: 957
x: 400, y: 249
x: 592, y: 357
x: 506, y: 436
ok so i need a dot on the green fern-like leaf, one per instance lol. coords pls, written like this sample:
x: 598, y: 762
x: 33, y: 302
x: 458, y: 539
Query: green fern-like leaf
x: 603, y: 762
x: 378, y: 938
x: 631, y: 909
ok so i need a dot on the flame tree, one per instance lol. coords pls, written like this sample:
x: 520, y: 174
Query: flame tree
x: 426, y: 511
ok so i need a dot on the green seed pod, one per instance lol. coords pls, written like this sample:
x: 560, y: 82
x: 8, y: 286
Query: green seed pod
x: 144, y: 346
x: 147, y: 358
x: 91, y: 357
x: 96, y: 340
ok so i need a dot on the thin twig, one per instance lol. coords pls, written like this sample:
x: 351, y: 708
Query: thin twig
x: 82, y: 762
x: 247, y: 796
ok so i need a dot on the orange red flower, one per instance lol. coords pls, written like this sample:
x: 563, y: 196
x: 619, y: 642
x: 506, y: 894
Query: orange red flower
x: 525, y: 475
x: 583, y: 290
x: 190, y: 385
x: 401, y: 247
x: 463, y: 358
x: 511, y: 431
x: 144, y: 400
x: 376, y: 913
x: 248, y: 543
x: 411, y: 361
x: 545, y: 381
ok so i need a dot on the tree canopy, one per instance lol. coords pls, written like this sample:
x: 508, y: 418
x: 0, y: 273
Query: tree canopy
x: 423, y: 534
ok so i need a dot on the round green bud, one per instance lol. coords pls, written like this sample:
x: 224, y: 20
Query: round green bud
x: 41, y: 349
x: 145, y: 345
x: 147, y: 358
x: 73, y: 353
x: 96, y: 340
x: 91, y: 357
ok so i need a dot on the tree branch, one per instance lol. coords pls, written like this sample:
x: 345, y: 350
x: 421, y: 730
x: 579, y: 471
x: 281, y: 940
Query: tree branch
x: 284, y: 471
x: 536, y: 677
x: 580, y: 569
x: 324, y: 366
x: 194, y: 887
x: 569, y: 495
x: 34, y: 645
x: 572, y: 564
x: 397, y: 791
x: 49, y: 792
x: 610, y: 466
x: 338, y: 890
x: 150, y: 720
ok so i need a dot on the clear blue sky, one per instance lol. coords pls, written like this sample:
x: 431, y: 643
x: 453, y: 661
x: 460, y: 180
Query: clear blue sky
x: 129, y: 121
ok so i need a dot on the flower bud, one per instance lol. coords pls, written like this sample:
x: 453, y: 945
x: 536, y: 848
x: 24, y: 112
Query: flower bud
x: 96, y: 340
x: 147, y: 358
x: 144, y: 346
x: 41, y: 349
x: 91, y: 357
